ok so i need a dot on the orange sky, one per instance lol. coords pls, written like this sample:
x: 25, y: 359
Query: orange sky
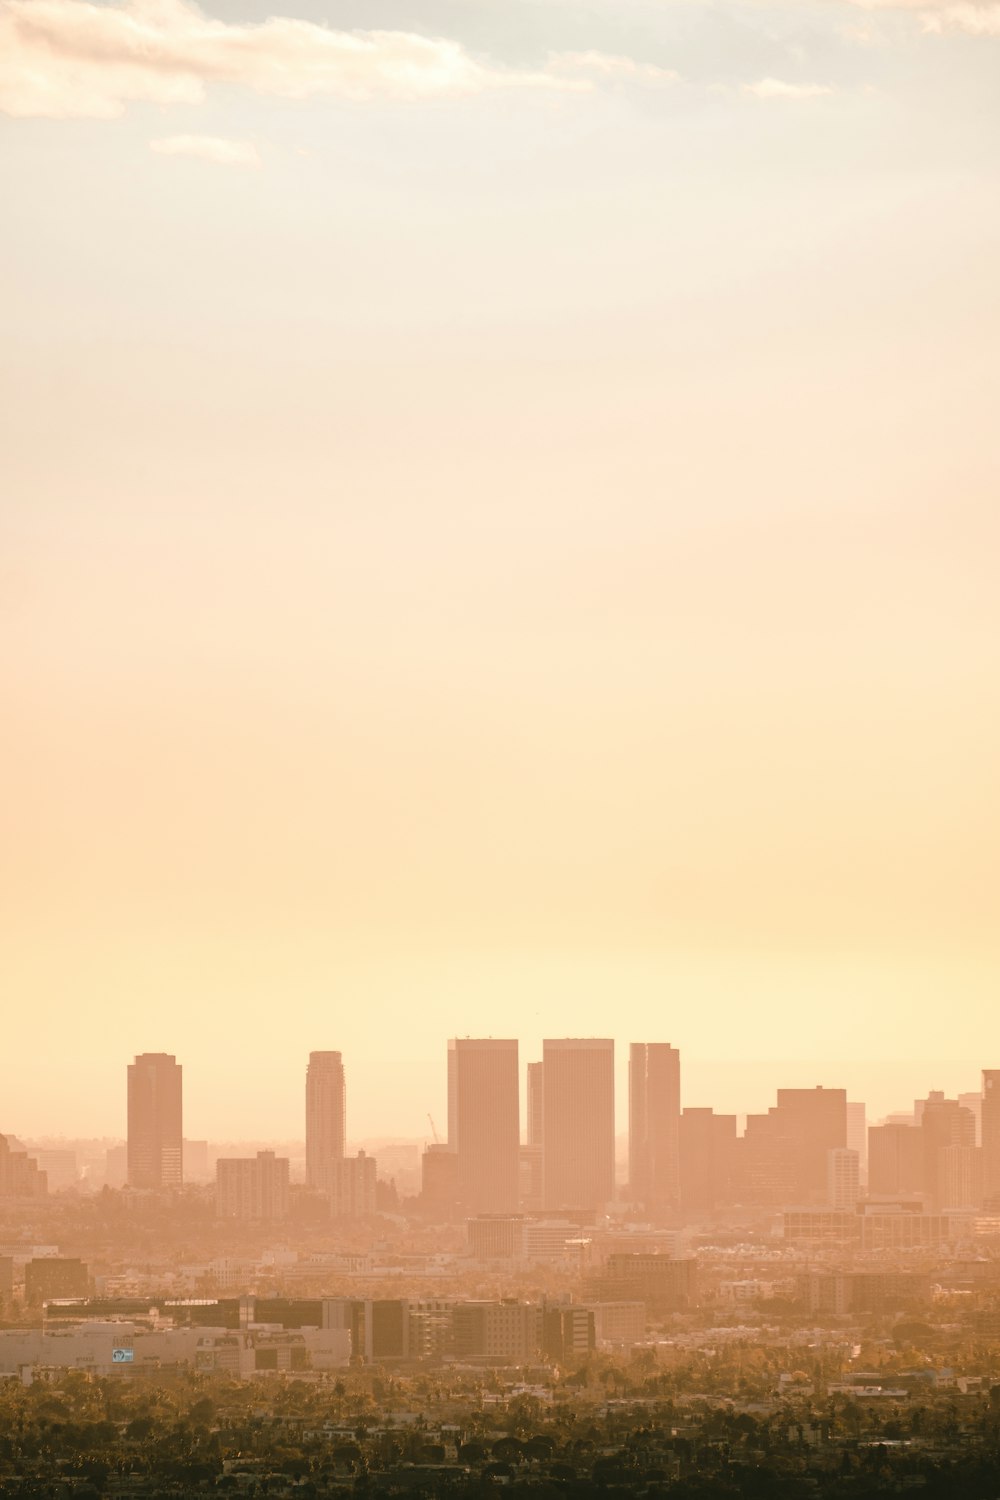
x: 513, y: 553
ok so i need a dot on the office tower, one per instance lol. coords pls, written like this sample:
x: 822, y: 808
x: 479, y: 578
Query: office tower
x: 782, y: 1156
x: 654, y: 1112
x: 975, y: 1103
x: 439, y: 1182
x: 326, y: 1118
x: 817, y: 1123
x: 857, y: 1136
x: 707, y: 1147
x: 990, y: 1126
x: 155, y: 1134
x: 579, y: 1123
x: 536, y: 1104
x: 484, y: 1123
x: 252, y: 1188
x: 960, y: 1178
x: 20, y: 1175
x: 842, y: 1189
x: 943, y: 1123
x: 354, y: 1187
x: 895, y: 1160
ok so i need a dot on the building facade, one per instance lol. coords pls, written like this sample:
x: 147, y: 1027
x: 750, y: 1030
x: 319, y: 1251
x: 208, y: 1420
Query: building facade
x: 654, y: 1114
x: 155, y: 1147
x: 484, y: 1127
x: 579, y: 1123
x: 326, y: 1118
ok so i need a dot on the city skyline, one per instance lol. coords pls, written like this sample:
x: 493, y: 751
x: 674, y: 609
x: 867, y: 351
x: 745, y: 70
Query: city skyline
x: 733, y: 1088
x: 497, y: 535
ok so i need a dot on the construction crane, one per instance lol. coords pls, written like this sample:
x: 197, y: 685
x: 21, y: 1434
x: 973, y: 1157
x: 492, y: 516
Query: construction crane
x: 437, y: 1140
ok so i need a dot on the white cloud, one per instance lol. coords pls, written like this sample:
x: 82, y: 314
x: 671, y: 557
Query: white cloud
x: 973, y: 20
x: 973, y: 17
x: 610, y: 66
x: 214, y: 148
x: 66, y: 58
x: 775, y: 88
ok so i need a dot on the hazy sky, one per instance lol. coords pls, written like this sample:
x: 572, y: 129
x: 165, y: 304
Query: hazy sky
x: 498, y: 535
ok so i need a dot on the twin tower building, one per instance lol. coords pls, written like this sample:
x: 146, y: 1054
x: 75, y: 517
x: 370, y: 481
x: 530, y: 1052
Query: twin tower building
x: 568, y: 1161
x: 155, y: 1147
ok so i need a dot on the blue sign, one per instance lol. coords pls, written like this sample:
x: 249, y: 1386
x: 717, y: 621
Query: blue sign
x: 122, y: 1356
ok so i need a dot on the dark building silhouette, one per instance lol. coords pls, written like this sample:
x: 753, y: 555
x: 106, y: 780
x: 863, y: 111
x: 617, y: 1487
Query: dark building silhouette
x: 54, y: 1276
x: 155, y: 1151
x: 326, y: 1118
x: 654, y: 1113
x: 579, y: 1122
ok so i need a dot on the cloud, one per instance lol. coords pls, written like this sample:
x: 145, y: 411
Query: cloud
x: 973, y: 20
x: 210, y: 148
x: 775, y: 88
x: 973, y: 17
x: 609, y: 65
x: 75, y: 58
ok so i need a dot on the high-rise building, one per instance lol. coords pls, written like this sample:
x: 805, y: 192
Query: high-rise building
x: 155, y: 1132
x: 895, y: 1160
x: 326, y: 1118
x: 579, y: 1122
x: 354, y: 1188
x: 654, y: 1112
x: 842, y: 1187
x: 960, y: 1178
x: 439, y: 1181
x: 707, y: 1154
x: 817, y: 1120
x: 252, y: 1187
x: 484, y: 1123
x: 975, y: 1103
x: 536, y: 1104
x: 943, y: 1123
x: 20, y: 1175
x: 857, y: 1136
x: 782, y: 1155
x: 990, y: 1133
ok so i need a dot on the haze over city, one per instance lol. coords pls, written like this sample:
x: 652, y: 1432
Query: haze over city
x: 499, y: 734
x: 498, y: 538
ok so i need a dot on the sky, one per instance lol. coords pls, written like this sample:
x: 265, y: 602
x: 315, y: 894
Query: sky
x: 498, y: 536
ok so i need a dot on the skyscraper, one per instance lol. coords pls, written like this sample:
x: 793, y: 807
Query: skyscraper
x: 895, y: 1160
x: 990, y: 1131
x: 252, y: 1188
x: 943, y: 1123
x: 536, y: 1103
x: 484, y: 1123
x: 579, y: 1122
x: 842, y: 1186
x: 326, y: 1118
x: 654, y: 1112
x: 155, y: 1130
x: 708, y: 1159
